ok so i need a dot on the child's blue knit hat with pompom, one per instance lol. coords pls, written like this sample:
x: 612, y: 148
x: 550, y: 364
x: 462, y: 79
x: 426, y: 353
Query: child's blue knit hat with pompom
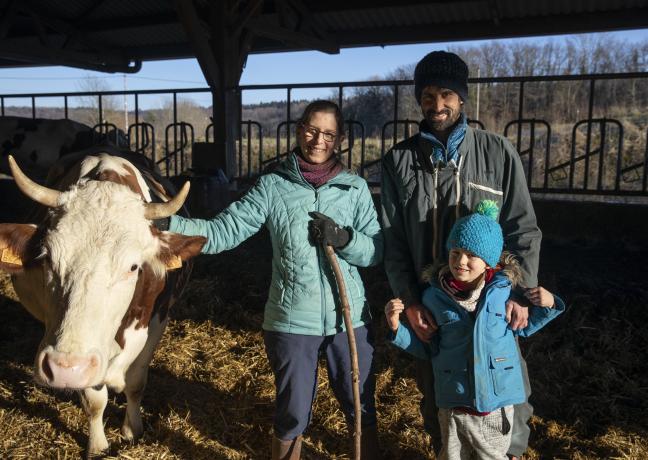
x: 479, y: 233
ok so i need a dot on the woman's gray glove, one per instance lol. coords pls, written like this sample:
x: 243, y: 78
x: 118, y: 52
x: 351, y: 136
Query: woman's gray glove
x: 323, y: 230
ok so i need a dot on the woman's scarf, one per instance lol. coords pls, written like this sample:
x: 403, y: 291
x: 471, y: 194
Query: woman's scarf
x: 319, y: 174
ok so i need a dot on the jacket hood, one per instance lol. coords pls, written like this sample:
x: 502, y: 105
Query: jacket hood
x: 508, y: 264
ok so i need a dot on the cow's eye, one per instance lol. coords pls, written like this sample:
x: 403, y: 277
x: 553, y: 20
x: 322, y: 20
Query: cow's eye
x: 134, y: 267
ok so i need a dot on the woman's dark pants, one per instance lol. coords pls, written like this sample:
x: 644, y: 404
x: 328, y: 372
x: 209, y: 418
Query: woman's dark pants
x: 293, y: 359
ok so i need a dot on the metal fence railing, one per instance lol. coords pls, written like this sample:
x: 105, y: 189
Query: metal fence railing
x: 593, y: 149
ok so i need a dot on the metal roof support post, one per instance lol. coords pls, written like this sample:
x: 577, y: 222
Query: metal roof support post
x: 520, y: 112
x: 225, y: 117
x: 288, y: 118
x: 588, y: 145
x: 220, y: 37
x: 175, y: 135
x: 240, y: 135
x: 232, y: 130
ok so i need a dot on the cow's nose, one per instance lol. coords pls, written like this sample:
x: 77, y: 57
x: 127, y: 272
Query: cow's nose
x: 69, y: 370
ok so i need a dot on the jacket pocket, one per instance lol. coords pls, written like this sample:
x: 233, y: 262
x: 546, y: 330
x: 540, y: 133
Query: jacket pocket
x: 406, y: 191
x: 478, y: 191
x: 505, y: 374
x: 485, y: 188
x: 281, y: 287
x: 496, y: 424
x: 453, y: 333
x: 355, y: 284
x: 452, y: 383
x: 355, y: 292
x: 447, y: 317
x: 495, y: 318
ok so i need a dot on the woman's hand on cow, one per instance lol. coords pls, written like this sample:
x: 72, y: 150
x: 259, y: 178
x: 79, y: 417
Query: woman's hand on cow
x: 323, y: 230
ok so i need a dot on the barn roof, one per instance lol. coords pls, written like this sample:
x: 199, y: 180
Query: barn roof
x: 116, y: 35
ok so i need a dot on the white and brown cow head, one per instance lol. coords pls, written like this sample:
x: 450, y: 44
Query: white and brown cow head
x: 93, y: 268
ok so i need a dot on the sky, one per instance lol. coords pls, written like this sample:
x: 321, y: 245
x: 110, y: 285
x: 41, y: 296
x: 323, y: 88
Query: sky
x: 279, y: 68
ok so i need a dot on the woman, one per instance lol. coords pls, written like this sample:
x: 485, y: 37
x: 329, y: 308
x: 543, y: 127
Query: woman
x: 302, y: 318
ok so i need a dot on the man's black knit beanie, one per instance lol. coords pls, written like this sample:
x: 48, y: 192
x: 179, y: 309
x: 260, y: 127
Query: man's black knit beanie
x: 443, y: 69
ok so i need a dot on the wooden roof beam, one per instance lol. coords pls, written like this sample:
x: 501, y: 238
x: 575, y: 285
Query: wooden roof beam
x: 199, y: 37
x: 252, y: 9
x: 634, y: 18
x: 7, y: 16
x: 494, y: 12
x: 295, y: 25
x: 71, y: 33
x: 291, y: 37
x: 42, y: 55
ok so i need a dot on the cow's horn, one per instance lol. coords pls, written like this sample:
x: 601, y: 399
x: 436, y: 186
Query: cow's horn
x: 38, y: 193
x: 162, y: 210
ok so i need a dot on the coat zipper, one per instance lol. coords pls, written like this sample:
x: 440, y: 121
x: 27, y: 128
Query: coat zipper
x: 470, y: 367
x: 320, y: 256
x: 435, y: 196
x: 435, y: 231
x: 319, y: 250
x: 353, y: 281
x: 457, y: 173
x: 284, y: 275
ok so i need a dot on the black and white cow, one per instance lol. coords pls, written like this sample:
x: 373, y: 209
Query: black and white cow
x: 38, y: 143
x: 100, y: 277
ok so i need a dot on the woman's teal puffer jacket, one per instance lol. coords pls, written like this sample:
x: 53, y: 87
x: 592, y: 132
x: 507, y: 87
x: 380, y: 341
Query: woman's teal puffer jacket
x: 303, y: 294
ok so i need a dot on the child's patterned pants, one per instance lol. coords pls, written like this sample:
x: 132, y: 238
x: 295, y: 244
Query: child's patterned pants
x: 467, y: 436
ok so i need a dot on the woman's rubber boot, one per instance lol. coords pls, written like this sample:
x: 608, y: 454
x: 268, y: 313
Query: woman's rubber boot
x: 286, y: 450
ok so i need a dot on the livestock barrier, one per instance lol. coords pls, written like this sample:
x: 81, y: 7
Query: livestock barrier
x: 592, y: 144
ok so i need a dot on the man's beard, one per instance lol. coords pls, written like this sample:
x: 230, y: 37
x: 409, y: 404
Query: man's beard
x: 441, y: 125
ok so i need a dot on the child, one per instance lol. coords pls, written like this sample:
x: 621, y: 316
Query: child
x: 475, y: 359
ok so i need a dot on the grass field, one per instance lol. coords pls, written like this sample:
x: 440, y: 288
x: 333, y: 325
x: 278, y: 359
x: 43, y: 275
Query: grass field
x: 210, y: 392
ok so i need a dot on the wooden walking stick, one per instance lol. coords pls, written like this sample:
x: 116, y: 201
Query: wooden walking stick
x: 353, y: 351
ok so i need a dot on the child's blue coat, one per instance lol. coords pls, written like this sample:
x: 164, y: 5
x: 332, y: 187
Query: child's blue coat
x: 476, y: 362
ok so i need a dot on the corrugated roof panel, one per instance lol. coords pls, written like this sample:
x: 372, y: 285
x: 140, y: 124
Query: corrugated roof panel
x: 129, y: 8
x: 467, y: 12
x: 149, y: 36
x: 402, y: 24
x: 413, y: 15
x: 517, y: 9
x: 64, y: 10
x: 72, y: 9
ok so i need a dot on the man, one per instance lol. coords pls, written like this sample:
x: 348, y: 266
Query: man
x: 428, y: 182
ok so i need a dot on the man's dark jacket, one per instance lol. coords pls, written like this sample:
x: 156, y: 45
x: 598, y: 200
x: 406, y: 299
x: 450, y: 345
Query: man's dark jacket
x: 421, y: 201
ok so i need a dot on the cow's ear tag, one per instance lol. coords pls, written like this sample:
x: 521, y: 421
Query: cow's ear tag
x: 174, y: 262
x: 7, y: 256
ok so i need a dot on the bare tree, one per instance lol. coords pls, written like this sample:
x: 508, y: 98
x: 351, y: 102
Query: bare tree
x: 109, y: 106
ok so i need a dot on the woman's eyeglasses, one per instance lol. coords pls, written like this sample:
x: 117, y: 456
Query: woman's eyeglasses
x: 313, y: 132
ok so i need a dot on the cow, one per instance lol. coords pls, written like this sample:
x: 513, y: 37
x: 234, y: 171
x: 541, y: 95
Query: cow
x: 38, y: 143
x: 100, y: 275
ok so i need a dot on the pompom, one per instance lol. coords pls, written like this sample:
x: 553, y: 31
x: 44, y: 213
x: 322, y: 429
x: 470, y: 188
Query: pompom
x: 488, y: 208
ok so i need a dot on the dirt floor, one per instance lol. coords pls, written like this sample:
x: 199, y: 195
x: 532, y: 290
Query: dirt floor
x: 210, y: 392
